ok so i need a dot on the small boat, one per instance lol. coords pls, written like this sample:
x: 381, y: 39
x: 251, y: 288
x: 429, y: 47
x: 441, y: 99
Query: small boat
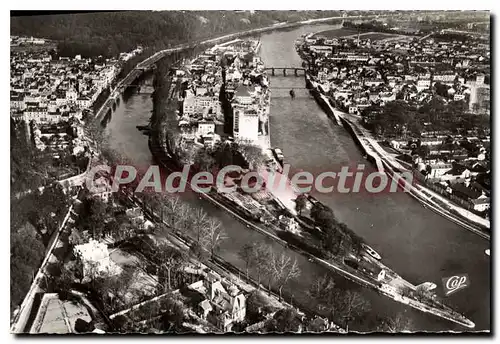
x: 371, y: 252
x: 487, y: 252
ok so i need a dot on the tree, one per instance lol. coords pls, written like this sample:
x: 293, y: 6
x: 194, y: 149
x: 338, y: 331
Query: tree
x: 168, y: 259
x: 300, y: 203
x: 26, y: 254
x: 405, y: 291
x: 214, y: 235
x: 92, y: 217
x: 284, y: 269
x: 247, y: 254
x: 70, y: 273
x: 285, y: 320
x: 396, y: 324
x: 268, y: 267
x: 258, y: 305
x: 351, y: 305
x: 75, y: 237
x: 197, y: 251
x: 123, y: 324
x: 203, y: 160
x: 172, y: 314
x: 82, y: 326
x: 333, y: 241
x: 175, y: 211
x: 252, y: 154
x: 51, y: 206
x: 262, y: 256
x: 321, y: 288
x: 322, y: 215
x: 198, y: 222
x: 421, y: 293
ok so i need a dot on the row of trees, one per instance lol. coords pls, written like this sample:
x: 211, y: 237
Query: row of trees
x: 278, y: 269
x: 340, y: 306
x: 205, y: 232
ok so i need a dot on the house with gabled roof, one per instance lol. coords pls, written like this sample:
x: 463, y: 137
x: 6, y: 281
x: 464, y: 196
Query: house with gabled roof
x: 224, y: 304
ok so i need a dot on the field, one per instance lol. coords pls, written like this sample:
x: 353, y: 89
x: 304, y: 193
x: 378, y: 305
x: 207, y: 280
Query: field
x: 374, y: 36
x: 335, y: 33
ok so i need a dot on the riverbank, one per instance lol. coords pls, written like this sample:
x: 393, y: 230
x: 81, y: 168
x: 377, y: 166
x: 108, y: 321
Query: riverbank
x: 375, y: 154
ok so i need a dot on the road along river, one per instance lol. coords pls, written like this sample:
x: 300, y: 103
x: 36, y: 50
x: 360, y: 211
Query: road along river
x: 415, y: 242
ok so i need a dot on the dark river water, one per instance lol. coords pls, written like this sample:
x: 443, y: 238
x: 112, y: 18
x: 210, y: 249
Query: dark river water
x: 417, y: 243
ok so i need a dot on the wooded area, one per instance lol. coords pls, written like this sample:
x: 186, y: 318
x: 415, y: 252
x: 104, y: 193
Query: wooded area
x: 110, y: 33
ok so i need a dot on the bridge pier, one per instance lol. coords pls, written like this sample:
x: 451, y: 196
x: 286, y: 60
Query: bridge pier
x: 284, y: 71
x: 296, y: 72
x: 272, y: 72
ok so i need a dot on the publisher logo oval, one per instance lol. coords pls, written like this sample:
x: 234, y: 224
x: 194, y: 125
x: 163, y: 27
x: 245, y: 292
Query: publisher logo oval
x: 454, y: 283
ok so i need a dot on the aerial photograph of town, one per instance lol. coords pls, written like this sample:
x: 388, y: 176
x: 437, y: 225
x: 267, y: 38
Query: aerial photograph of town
x: 250, y: 171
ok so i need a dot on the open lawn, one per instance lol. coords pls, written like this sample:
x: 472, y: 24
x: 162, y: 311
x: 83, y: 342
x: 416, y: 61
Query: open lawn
x: 374, y: 36
x: 377, y: 36
x: 335, y: 33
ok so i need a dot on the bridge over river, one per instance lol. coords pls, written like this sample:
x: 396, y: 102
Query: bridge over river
x: 297, y: 71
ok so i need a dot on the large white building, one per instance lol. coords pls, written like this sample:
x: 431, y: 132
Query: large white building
x: 95, y: 258
x: 246, y: 124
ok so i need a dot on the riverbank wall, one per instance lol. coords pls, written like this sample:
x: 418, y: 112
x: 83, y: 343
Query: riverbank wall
x: 321, y: 99
x: 369, y: 156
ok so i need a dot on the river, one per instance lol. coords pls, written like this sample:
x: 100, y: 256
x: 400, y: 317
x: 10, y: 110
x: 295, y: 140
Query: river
x: 417, y: 243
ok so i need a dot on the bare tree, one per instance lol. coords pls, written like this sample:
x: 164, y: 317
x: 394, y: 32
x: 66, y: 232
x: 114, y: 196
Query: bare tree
x: 247, y: 254
x: 396, y: 324
x: 262, y: 256
x: 213, y: 235
x: 171, y: 259
x: 322, y: 288
x: 268, y: 267
x: 284, y: 269
x: 351, y: 305
x: 174, y: 211
x: 198, y: 222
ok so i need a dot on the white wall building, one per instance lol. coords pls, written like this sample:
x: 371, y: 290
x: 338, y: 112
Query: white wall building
x: 246, y: 125
x: 95, y: 259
